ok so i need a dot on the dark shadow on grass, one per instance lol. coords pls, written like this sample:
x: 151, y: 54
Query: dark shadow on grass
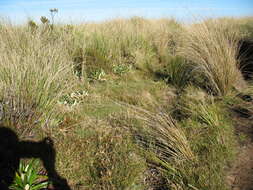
x: 12, y: 150
x: 245, y: 56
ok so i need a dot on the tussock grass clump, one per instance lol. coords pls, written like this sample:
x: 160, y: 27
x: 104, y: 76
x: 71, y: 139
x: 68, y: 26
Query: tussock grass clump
x: 33, y: 74
x: 162, y: 128
x: 177, y: 72
x: 165, y: 142
x: 139, y: 42
x: 212, y: 48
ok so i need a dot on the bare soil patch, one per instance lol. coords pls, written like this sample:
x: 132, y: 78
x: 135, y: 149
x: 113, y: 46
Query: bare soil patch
x: 240, y: 176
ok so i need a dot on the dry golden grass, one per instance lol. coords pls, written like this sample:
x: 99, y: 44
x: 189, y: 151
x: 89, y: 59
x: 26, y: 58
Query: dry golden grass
x: 212, y: 48
x: 35, y: 70
x: 117, y: 61
x: 136, y: 41
x: 161, y: 130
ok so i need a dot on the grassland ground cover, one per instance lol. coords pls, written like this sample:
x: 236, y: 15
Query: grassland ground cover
x: 133, y: 104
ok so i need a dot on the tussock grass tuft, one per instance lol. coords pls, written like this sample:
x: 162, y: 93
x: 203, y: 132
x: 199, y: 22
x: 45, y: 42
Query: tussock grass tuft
x: 163, y: 129
x: 34, y: 73
x: 178, y: 72
x: 166, y: 145
x: 212, y: 48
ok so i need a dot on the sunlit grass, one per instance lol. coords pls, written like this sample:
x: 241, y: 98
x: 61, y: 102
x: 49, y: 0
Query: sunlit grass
x: 126, y: 97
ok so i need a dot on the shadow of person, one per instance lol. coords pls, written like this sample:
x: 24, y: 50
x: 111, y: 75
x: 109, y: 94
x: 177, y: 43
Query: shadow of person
x: 12, y: 150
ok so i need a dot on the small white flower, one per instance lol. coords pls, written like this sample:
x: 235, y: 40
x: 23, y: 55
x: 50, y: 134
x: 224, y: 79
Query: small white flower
x: 27, y: 187
x: 75, y: 102
x: 22, y: 176
x: 26, y: 168
x: 85, y: 93
x: 72, y: 95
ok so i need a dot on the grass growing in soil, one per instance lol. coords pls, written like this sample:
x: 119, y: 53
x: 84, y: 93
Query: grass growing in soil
x: 130, y: 104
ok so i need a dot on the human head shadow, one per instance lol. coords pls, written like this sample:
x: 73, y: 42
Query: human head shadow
x: 12, y: 150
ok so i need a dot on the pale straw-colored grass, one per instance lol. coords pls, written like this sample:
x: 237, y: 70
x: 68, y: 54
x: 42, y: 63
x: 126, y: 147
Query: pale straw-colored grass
x: 212, y: 48
x: 35, y: 70
x: 163, y: 135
